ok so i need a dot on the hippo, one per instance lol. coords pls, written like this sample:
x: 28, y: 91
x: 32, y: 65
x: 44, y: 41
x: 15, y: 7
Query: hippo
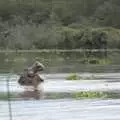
x: 31, y: 77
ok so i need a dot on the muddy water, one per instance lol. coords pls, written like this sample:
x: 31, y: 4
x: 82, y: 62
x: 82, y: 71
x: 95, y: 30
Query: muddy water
x: 67, y: 108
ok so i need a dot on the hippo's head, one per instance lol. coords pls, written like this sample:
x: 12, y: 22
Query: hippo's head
x: 37, y: 67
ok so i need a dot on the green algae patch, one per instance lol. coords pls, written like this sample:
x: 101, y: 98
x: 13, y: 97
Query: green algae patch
x: 62, y: 95
x: 73, y: 76
x: 89, y: 94
x: 93, y: 60
x: 96, y: 94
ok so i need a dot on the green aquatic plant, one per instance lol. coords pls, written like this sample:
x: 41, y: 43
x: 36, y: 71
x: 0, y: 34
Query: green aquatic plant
x: 93, y: 60
x: 105, y: 61
x: 61, y: 95
x: 73, y: 76
x: 89, y: 94
x: 95, y: 94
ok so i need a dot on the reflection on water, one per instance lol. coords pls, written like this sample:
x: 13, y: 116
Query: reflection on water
x: 27, y: 95
x: 67, y: 109
x: 60, y: 61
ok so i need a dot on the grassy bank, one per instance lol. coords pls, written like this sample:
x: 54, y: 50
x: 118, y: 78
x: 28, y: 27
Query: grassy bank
x: 57, y: 50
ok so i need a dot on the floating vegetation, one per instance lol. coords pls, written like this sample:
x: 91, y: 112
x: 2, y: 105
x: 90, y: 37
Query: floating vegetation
x: 89, y: 94
x: 96, y: 94
x: 93, y: 60
x: 83, y: 95
x: 62, y: 95
x: 78, y: 95
x: 73, y: 76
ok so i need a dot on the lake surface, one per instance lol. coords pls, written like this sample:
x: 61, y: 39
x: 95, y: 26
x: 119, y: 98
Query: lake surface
x: 60, y: 62
x: 66, y: 109
x: 59, y: 65
x: 58, y: 82
x: 63, y: 108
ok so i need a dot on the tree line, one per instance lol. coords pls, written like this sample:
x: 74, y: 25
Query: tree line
x: 60, y: 24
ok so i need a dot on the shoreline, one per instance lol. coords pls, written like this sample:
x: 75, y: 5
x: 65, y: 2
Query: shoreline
x: 60, y: 50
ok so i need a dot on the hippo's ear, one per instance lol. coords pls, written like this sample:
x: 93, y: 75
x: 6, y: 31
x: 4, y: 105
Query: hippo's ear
x: 37, y: 63
x: 41, y: 66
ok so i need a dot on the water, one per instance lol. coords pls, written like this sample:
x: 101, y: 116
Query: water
x: 60, y: 62
x: 58, y: 67
x: 58, y: 83
x: 66, y: 109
